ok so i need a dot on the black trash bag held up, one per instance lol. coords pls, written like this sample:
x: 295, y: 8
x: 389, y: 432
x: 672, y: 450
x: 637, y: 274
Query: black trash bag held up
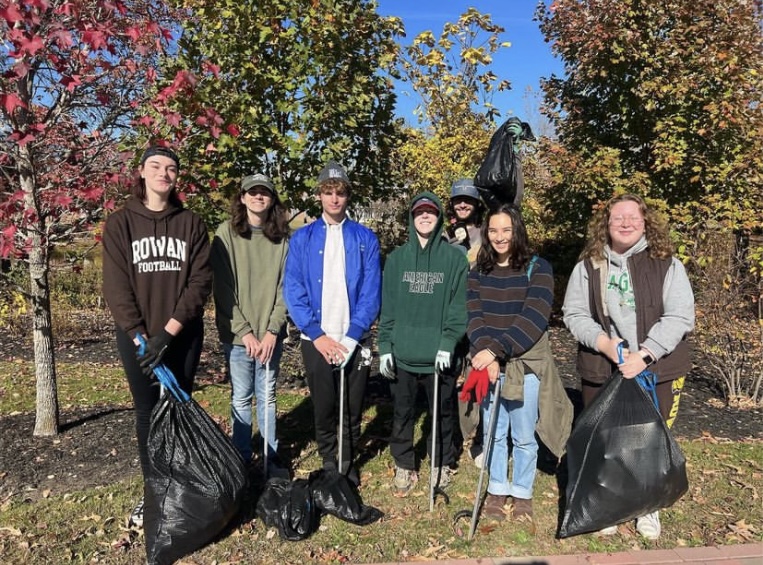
x: 499, y: 178
x: 334, y: 494
x: 288, y: 506
x: 196, y: 478
x: 622, y: 460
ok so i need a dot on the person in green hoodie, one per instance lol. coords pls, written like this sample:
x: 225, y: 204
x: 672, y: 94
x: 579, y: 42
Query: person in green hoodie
x: 423, y: 316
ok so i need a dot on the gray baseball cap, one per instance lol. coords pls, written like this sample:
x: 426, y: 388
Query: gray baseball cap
x: 464, y: 187
x: 257, y: 180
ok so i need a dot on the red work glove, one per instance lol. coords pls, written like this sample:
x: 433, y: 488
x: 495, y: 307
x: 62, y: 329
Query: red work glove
x: 477, y: 381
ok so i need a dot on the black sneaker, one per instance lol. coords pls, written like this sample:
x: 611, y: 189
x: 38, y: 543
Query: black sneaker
x: 136, y: 516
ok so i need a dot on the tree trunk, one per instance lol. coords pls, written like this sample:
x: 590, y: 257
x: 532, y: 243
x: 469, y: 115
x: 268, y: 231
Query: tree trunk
x: 46, y: 421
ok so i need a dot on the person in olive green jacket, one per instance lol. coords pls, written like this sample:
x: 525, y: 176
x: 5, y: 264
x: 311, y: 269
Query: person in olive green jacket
x: 248, y: 258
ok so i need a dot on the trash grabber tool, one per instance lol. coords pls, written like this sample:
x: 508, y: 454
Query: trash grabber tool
x: 435, y: 414
x: 486, y: 456
x: 341, y: 420
x: 266, y: 439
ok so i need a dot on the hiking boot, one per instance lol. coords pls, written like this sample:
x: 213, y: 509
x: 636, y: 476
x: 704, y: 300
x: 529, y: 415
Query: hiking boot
x: 608, y: 531
x: 443, y: 476
x: 649, y: 526
x: 136, y: 516
x: 522, y: 508
x: 493, y: 507
x: 405, y: 479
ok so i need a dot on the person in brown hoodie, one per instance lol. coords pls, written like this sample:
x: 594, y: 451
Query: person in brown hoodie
x: 156, y: 279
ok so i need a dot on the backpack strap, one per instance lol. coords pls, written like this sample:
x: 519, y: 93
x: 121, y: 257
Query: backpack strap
x: 531, y: 266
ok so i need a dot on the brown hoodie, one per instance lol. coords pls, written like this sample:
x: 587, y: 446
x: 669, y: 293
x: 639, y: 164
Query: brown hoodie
x: 155, y: 267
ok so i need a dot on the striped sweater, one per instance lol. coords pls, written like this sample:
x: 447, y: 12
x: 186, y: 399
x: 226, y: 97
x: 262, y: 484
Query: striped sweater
x: 508, y: 313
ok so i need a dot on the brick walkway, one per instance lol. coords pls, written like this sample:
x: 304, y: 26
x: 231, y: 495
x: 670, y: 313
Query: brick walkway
x: 747, y: 554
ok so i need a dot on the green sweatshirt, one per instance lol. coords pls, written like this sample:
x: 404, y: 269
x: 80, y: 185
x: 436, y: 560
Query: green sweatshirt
x: 423, y: 298
x: 248, y: 280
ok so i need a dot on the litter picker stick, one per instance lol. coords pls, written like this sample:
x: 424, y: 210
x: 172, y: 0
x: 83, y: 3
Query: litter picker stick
x: 435, y: 415
x: 266, y: 439
x: 485, y: 456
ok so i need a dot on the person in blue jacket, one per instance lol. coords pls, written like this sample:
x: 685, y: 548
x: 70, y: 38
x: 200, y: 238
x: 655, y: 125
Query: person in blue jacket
x: 332, y: 289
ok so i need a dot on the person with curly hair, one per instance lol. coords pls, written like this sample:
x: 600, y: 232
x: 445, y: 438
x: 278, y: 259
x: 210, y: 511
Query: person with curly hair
x: 628, y: 288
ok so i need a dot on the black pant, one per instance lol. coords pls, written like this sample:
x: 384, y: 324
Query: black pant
x: 323, y: 382
x: 404, y: 390
x: 182, y: 358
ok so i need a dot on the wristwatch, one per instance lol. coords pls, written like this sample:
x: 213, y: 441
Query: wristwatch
x: 648, y: 359
x: 274, y: 332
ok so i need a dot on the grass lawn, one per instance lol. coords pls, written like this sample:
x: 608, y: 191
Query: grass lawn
x: 723, y: 505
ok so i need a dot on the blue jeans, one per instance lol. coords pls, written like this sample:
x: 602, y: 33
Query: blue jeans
x: 519, y: 418
x: 249, y: 379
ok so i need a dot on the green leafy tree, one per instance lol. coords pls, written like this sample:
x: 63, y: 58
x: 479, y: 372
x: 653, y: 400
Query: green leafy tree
x: 285, y: 86
x: 451, y: 75
x: 668, y: 90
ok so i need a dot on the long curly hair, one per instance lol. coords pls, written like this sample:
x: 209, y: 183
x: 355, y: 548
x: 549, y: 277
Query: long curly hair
x: 519, y: 250
x: 655, y: 230
x: 275, y: 227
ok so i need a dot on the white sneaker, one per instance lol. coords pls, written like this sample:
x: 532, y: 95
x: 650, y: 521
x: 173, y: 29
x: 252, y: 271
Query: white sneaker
x: 136, y: 516
x: 608, y: 531
x: 649, y: 526
x: 405, y: 479
x: 478, y: 459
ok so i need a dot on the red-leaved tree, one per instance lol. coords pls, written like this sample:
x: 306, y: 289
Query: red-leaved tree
x: 72, y: 72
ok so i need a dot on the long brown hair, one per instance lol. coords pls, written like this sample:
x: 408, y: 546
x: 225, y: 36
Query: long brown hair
x: 276, y: 224
x: 519, y: 250
x: 655, y: 229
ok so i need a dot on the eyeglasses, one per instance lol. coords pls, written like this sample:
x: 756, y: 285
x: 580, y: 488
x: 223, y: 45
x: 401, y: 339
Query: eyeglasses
x: 620, y: 220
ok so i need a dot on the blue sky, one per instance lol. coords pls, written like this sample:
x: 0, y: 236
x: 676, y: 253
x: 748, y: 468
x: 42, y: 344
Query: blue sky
x: 528, y: 58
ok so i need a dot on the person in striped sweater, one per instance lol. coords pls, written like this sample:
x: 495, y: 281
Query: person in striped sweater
x: 509, y: 297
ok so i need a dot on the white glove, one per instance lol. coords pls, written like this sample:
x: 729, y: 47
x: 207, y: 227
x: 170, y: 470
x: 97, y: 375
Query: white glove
x: 387, y: 366
x: 350, y: 344
x: 442, y: 361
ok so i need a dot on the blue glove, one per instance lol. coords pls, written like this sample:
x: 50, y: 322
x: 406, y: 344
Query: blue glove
x: 350, y: 344
x: 442, y: 361
x: 387, y: 366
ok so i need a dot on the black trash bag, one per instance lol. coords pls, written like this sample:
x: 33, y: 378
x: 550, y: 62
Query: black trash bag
x: 334, y: 494
x: 288, y: 506
x: 499, y: 178
x: 622, y: 461
x: 195, y: 483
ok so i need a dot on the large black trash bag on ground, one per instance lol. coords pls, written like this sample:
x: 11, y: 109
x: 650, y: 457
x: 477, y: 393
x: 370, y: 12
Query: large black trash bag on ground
x: 288, y: 506
x: 622, y: 461
x: 499, y: 178
x: 196, y: 479
x: 294, y: 507
x: 334, y: 494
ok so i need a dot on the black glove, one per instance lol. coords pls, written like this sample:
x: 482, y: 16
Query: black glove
x: 156, y: 346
